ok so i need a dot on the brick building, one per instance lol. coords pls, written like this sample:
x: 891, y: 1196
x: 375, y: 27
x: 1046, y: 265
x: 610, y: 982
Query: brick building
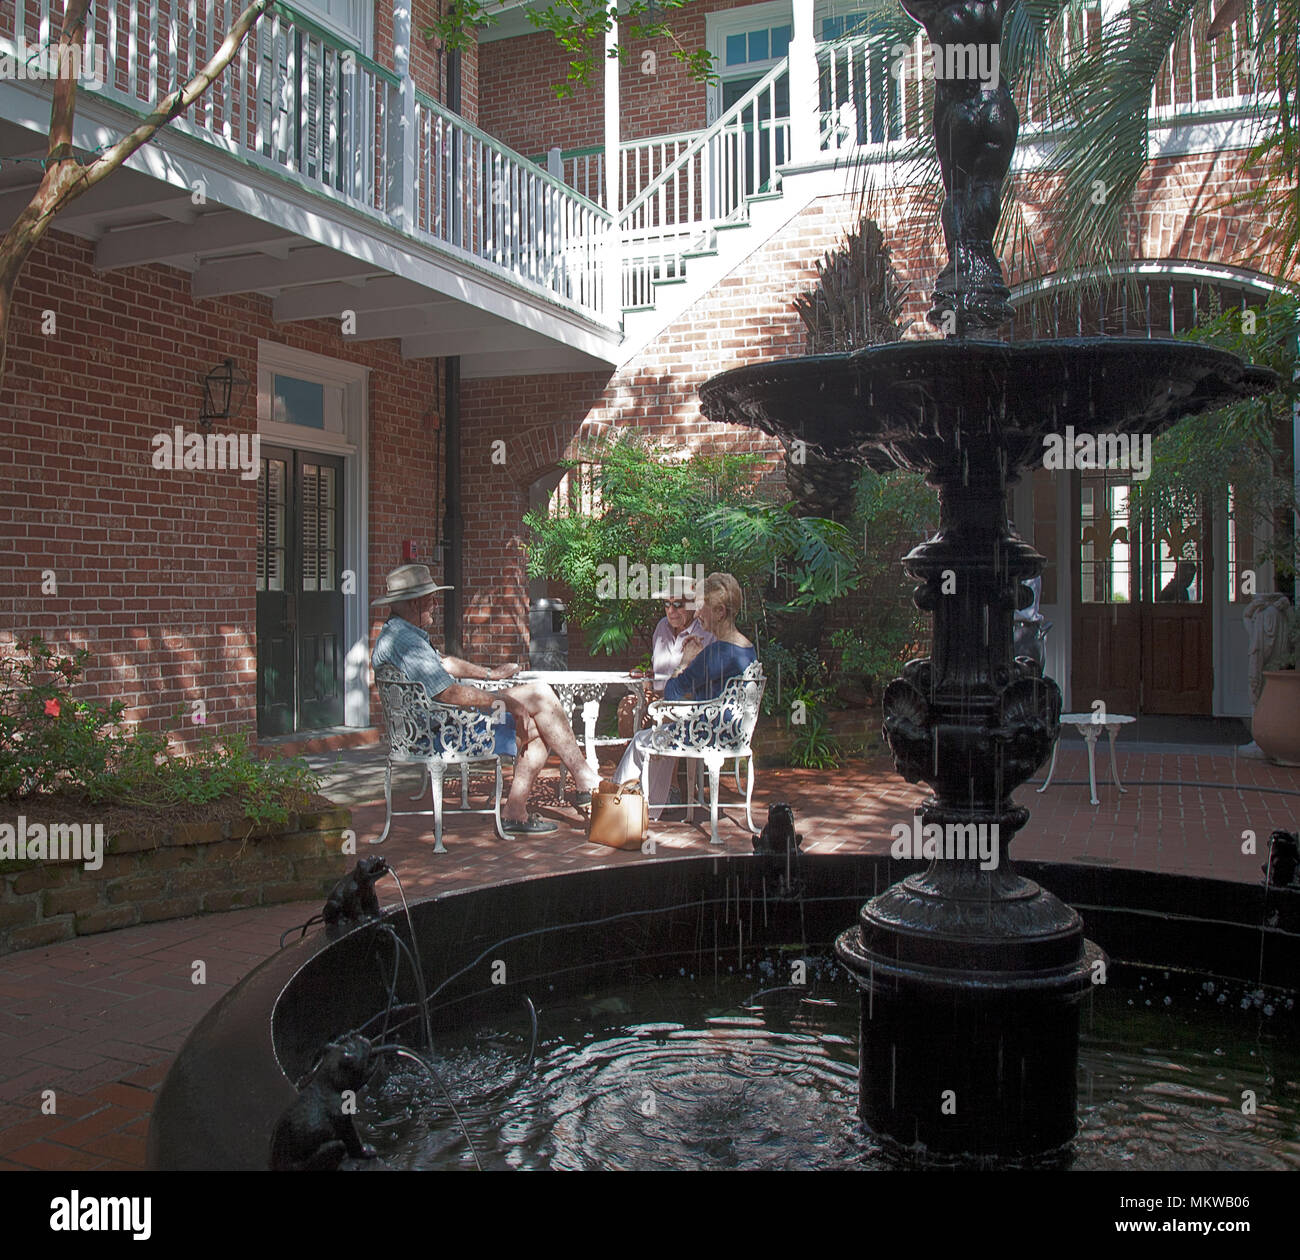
x: 436, y: 277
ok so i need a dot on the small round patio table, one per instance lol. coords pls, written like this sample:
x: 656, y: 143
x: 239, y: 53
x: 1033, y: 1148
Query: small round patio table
x: 1090, y: 726
x: 586, y: 687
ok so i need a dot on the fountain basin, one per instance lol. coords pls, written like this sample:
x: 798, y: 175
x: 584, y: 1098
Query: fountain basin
x: 232, y: 1078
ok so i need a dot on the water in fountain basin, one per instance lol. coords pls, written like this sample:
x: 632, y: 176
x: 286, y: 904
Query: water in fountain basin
x: 690, y: 1073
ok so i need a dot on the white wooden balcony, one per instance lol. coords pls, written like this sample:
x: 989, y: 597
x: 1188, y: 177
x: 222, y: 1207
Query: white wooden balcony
x: 313, y: 174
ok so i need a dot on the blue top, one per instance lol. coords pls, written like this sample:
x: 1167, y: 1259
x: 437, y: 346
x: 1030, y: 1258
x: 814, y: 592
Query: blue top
x: 705, y: 677
x: 408, y: 650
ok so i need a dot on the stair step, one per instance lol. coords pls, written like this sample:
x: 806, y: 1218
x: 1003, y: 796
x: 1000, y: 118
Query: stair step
x: 731, y: 227
x: 700, y: 253
x: 638, y: 310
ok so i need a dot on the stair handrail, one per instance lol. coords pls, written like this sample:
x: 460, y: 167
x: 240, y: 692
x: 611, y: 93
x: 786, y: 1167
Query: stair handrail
x: 704, y: 138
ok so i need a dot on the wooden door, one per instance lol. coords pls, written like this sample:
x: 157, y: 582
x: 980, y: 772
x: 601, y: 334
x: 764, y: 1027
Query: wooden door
x: 299, y: 596
x: 1142, y: 629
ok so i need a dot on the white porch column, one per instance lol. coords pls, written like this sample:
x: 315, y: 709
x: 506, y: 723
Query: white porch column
x: 804, y: 101
x: 402, y: 123
x: 613, y: 202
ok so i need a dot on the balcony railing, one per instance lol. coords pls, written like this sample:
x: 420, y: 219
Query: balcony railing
x: 299, y: 101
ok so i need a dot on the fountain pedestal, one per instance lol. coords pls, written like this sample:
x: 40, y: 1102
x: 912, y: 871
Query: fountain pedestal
x: 970, y: 974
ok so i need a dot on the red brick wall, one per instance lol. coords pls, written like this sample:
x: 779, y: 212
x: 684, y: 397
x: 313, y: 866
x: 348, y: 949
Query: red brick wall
x: 427, y: 62
x: 520, y: 106
x: 156, y: 569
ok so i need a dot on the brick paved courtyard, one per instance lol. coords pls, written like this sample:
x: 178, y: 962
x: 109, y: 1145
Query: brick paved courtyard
x: 98, y: 1019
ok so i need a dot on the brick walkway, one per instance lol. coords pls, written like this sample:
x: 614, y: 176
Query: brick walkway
x: 98, y: 1019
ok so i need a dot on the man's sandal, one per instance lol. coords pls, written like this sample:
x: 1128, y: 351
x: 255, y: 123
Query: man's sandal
x: 533, y: 825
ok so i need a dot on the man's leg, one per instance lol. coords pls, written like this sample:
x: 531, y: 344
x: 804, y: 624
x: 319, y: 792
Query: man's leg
x: 528, y: 765
x: 557, y: 735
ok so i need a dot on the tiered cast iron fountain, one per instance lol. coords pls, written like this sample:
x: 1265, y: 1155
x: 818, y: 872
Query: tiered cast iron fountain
x: 971, y: 978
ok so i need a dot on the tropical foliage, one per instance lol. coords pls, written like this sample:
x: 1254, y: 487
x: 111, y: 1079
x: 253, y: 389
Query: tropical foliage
x: 709, y: 511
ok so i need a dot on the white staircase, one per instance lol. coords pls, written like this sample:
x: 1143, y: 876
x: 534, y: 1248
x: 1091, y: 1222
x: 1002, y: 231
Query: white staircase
x: 699, y: 205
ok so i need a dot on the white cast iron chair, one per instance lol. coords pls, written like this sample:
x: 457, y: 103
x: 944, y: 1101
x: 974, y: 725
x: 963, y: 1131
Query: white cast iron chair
x: 438, y: 737
x: 709, y: 731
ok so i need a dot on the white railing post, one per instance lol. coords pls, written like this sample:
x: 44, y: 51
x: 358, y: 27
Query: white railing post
x: 612, y: 183
x: 805, y: 103
x: 401, y: 126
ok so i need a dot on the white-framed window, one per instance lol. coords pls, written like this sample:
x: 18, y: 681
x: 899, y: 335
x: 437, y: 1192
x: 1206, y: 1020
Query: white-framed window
x: 747, y: 42
x: 351, y: 19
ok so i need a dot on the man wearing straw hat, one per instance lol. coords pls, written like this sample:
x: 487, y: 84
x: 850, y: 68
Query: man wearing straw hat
x: 535, y: 725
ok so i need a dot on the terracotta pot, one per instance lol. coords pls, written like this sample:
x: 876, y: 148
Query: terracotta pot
x: 1276, y: 725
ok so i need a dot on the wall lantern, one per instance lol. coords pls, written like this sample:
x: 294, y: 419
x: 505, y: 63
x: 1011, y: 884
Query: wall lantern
x: 225, y: 390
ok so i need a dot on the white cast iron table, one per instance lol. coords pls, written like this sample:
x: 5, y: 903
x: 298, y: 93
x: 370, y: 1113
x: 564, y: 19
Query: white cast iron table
x: 1090, y: 726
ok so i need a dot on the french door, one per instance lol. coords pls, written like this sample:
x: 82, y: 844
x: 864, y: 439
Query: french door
x: 1143, y: 629
x: 299, y: 596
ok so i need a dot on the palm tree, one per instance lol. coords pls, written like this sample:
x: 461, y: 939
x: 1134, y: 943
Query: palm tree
x: 1107, y: 91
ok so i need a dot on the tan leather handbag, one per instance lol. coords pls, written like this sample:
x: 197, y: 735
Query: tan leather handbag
x: 620, y: 818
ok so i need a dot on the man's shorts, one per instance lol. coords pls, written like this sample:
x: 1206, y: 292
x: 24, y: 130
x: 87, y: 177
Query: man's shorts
x: 505, y: 737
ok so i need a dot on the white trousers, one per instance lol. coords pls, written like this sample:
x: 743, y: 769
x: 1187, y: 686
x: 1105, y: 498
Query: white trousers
x: 661, y: 771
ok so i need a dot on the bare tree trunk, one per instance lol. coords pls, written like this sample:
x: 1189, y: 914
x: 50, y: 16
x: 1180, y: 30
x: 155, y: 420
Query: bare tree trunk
x: 65, y: 178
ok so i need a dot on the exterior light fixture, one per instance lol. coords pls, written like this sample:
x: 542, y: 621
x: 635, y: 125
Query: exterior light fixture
x: 225, y: 389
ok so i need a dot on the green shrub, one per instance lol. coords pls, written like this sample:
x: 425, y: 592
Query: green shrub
x: 50, y: 741
x: 816, y: 746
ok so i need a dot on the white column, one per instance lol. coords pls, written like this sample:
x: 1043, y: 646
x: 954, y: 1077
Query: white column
x: 402, y: 123
x: 804, y: 102
x: 613, y: 202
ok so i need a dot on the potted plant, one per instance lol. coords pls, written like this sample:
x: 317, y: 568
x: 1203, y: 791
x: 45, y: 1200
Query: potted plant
x: 1276, y: 724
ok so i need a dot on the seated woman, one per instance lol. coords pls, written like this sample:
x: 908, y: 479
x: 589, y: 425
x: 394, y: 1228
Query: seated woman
x: 727, y: 657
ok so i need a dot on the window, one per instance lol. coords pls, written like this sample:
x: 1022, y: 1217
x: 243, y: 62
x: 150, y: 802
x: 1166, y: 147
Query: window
x: 764, y: 45
x: 296, y: 401
x: 1105, y: 571
x: 1241, y: 549
x: 349, y: 18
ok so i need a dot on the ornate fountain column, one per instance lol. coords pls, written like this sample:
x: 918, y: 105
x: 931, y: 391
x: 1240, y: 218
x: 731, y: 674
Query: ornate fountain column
x: 970, y: 973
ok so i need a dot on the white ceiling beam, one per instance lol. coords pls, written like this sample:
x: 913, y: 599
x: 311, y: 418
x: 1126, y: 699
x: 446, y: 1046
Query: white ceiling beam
x: 314, y: 265
x: 184, y: 242
x: 488, y: 341
x: 84, y: 217
x: 329, y: 301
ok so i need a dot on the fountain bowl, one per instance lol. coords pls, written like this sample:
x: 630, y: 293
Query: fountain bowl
x: 935, y: 406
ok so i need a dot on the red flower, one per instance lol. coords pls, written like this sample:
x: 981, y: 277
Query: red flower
x: 51, y: 708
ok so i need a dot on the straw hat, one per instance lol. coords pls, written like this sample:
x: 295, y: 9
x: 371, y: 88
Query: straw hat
x: 408, y: 581
x: 679, y: 587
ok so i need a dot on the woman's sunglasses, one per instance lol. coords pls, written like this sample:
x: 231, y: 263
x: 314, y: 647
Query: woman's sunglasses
x: 674, y: 603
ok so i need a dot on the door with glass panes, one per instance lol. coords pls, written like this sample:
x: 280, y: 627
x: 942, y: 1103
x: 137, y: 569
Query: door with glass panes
x: 299, y: 600
x: 1143, y: 620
